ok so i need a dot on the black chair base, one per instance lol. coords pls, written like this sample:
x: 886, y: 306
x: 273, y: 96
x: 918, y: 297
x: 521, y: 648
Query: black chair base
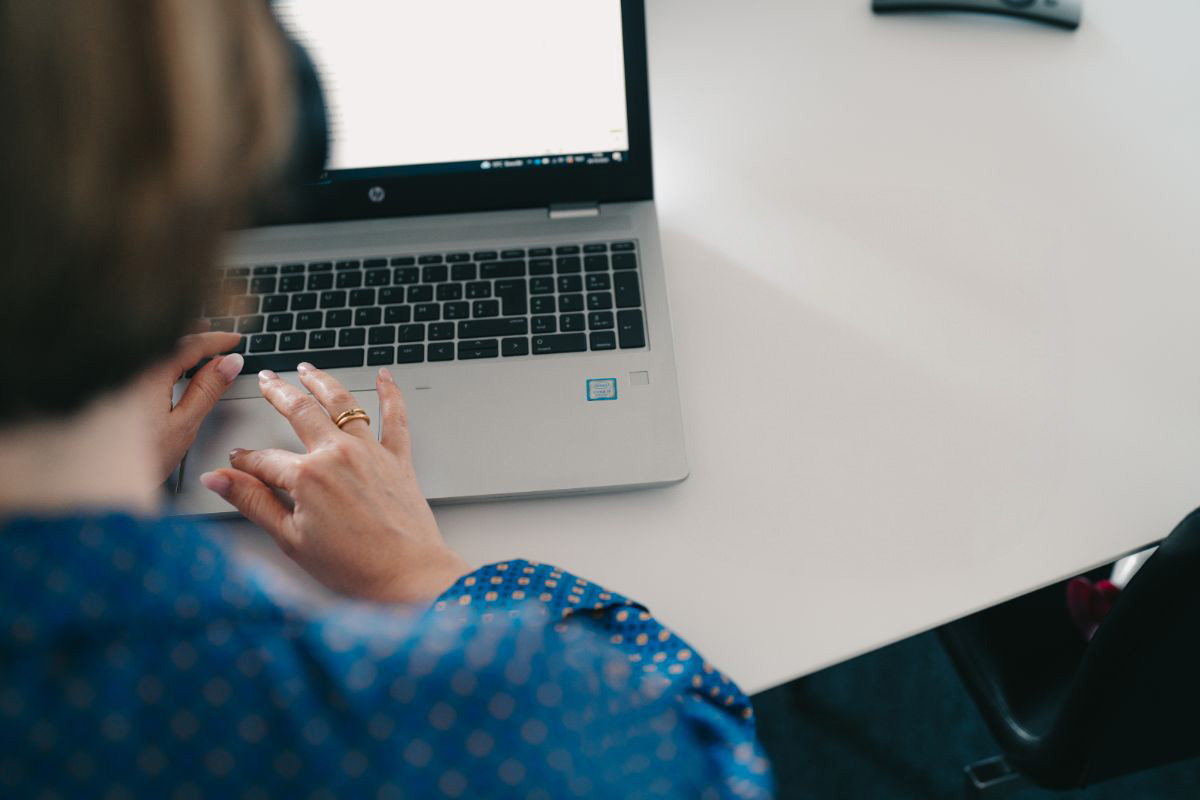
x: 992, y: 779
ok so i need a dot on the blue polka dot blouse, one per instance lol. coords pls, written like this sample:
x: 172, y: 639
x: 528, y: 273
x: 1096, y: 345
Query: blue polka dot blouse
x: 138, y: 658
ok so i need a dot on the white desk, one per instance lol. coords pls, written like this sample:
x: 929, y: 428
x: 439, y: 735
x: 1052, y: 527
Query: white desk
x: 936, y: 291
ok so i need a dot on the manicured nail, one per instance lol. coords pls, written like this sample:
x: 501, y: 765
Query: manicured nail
x: 267, y: 375
x: 386, y: 374
x: 216, y: 482
x: 230, y: 367
x: 235, y: 453
x: 304, y: 366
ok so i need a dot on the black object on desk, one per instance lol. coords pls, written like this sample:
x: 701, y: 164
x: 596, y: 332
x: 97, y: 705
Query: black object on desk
x: 1061, y: 13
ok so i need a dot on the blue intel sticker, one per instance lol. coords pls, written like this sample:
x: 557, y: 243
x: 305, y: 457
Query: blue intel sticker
x: 602, y: 389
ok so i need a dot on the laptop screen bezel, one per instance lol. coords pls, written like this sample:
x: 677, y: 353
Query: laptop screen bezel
x: 489, y: 190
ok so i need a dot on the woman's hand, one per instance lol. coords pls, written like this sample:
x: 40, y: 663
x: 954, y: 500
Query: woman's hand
x: 175, y: 426
x: 359, y: 523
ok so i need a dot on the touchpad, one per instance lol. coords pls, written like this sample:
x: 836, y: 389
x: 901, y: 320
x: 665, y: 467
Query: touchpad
x: 251, y: 424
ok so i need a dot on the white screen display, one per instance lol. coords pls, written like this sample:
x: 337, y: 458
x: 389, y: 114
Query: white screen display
x: 447, y: 81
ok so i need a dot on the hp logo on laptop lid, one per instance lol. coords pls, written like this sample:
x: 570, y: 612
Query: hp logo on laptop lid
x: 376, y: 194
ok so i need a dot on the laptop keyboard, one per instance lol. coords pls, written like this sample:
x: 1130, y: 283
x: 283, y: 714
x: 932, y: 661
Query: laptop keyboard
x: 411, y: 309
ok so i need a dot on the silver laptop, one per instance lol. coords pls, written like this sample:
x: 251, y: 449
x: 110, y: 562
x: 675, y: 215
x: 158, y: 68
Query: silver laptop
x: 486, y: 229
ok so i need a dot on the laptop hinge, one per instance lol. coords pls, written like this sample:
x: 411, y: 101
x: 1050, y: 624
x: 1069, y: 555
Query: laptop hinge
x: 574, y: 210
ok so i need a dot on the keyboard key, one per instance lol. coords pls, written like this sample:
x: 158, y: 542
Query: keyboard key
x: 218, y: 307
x: 378, y: 356
x: 291, y: 269
x: 352, y: 337
x: 384, y: 334
x: 542, y: 305
x: 478, y: 290
x: 304, y: 302
x: 391, y: 295
x: 274, y: 302
x: 349, y: 280
x: 512, y: 297
x: 441, y: 330
x: 411, y: 333
x: 296, y: 340
x: 403, y: 261
x: 600, y: 320
x: 368, y: 316
x: 431, y: 259
x: 262, y: 343
x: 622, y: 247
x: 378, y: 277
x: 334, y: 298
x: 456, y: 258
x: 463, y: 272
x: 595, y: 263
x: 442, y: 351
x: 420, y: 294
x: 363, y: 297
x: 625, y: 286
x: 319, y: 340
x: 349, y: 264
x: 320, y: 266
x: 630, y: 329
x: 502, y: 269
x: 233, y: 286
x: 250, y: 324
x: 291, y: 283
x: 449, y: 291
x: 486, y: 255
x: 265, y: 269
x: 396, y: 315
x: 405, y: 276
x: 601, y: 301
x: 598, y: 283
x: 240, y: 347
x: 571, y: 264
x: 435, y: 274
x: 427, y: 312
x: 514, y: 347
x: 603, y: 340
x: 571, y: 322
x: 262, y: 285
x: 221, y: 324
x: 512, y: 253
x: 570, y: 302
x: 410, y: 354
x: 545, y: 324
x: 595, y: 248
x: 567, y: 249
x: 541, y: 286
x: 280, y: 322
x: 319, y: 282
x: 560, y: 343
x: 321, y: 359
x: 483, y: 329
x: 372, y: 263
x: 539, y: 252
x: 570, y: 283
x: 246, y: 304
x: 485, y: 308
x: 541, y: 266
x: 478, y: 348
x: 456, y: 310
x: 624, y: 261
x: 334, y: 319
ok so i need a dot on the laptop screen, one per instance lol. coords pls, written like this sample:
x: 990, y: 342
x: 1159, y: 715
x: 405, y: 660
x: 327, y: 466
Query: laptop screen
x: 444, y: 86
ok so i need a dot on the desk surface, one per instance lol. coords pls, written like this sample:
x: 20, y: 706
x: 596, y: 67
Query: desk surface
x: 934, y: 283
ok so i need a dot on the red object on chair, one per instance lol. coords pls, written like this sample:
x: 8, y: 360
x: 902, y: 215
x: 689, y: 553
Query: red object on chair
x: 1089, y: 603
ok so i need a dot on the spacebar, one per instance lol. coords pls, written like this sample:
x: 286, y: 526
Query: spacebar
x: 286, y: 362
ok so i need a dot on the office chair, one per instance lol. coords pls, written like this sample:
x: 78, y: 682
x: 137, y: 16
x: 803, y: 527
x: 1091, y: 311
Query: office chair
x: 1066, y: 713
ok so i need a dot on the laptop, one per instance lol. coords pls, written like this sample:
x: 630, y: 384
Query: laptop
x: 486, y: 229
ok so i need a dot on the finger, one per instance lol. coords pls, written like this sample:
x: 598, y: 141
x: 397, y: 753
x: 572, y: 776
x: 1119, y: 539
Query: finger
x: 257, y: 503
x: 197, y: 346
x: 393, y: 415
x: 206, y: 388
x: 335, y: 397
x: 272, y: 467
x: 307, y: 417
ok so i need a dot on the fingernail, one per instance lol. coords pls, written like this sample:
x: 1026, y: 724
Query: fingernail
x: 235, y: 453
x: 216, y: 482
x: 267, y: 375
x: 304, y: 366
x: 230, y: 367
x: 386, y: 374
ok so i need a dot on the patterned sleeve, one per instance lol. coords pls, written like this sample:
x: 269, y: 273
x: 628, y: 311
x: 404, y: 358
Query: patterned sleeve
x: 717, y: 718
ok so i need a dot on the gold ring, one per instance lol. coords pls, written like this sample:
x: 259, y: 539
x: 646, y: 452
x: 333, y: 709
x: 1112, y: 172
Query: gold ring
x: 349, y: 415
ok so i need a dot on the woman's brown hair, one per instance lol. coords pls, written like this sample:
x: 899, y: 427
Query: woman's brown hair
x: 134, y: 133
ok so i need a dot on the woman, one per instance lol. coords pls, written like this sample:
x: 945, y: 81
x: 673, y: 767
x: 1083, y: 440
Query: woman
x: 137, y: 658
